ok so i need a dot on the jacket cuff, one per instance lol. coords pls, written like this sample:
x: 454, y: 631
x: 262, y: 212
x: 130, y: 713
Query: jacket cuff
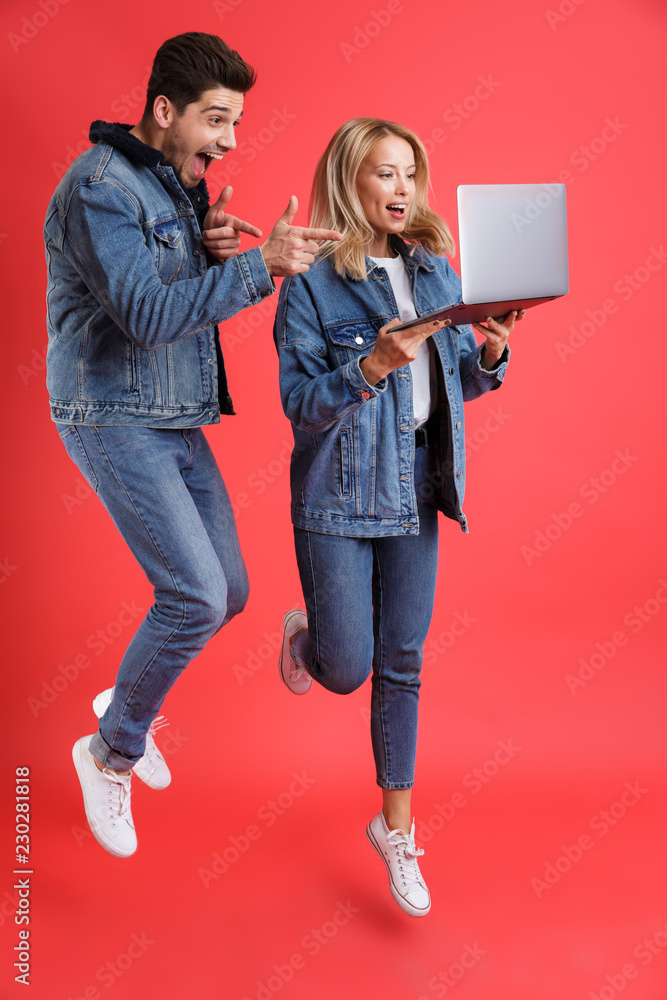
x: 498, y: 370
x: 257, y: 278
x: 357, y: 384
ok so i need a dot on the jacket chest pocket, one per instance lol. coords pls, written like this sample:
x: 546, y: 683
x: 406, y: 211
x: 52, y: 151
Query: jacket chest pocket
x: 351, y: 340
x: 168, y: 250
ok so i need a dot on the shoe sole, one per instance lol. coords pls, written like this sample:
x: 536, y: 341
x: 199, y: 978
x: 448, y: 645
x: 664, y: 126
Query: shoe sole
x: 77, y: 757
x: 408, y: 908
x: 100, y: 705
x: 286, y: 621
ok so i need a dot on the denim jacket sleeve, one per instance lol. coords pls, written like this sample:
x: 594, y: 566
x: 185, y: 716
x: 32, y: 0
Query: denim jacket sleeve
x: 104, y: 239
x: 314, y: 396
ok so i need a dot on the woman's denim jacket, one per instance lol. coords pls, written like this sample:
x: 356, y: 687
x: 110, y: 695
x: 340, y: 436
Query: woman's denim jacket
x: 353, y: 459
x: 132, y: 304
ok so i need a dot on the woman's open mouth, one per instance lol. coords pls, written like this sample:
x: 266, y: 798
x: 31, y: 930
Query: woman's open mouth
x: 397, y: 210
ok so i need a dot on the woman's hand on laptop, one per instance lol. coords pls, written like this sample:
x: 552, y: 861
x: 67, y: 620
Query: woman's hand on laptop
x: 496, y: 333
x: 392, y: 349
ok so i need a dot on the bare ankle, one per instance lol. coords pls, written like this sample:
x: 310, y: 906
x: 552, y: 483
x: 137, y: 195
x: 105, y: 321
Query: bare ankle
x: 103, y: 767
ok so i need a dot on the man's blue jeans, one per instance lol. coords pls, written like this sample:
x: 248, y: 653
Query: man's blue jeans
x: 166, y: 496
x: 369, y: 603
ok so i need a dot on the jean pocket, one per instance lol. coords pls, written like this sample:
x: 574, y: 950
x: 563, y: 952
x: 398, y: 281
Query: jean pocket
x: 71, y: 438
x: 345, y: 449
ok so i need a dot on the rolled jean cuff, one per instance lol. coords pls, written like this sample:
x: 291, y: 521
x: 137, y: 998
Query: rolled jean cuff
x: 396, y: 786
x: 109, y: 757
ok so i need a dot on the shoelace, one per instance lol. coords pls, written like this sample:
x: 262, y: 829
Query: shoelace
x: 408, y: 866
x: 151, y: 749
x: 119, y: 793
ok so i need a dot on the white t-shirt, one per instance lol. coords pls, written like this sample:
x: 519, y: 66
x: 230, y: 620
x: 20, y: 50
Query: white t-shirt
x: 423, y: 398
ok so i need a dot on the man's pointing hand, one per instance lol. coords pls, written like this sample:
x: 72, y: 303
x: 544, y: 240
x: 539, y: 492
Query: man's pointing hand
x: 222, y: 232
x: 291, y: 249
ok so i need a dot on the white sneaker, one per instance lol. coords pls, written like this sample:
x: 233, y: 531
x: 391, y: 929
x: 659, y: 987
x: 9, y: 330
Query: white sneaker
x: 296, y: 678
x: 152, y: 767
x: 397, y: 850
x: 106, y: 797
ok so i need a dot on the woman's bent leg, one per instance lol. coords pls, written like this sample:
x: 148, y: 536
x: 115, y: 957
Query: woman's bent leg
x: 336, y: 579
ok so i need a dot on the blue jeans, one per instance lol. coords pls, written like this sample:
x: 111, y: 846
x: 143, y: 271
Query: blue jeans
x: 369, y: 603
x: 164, y: 492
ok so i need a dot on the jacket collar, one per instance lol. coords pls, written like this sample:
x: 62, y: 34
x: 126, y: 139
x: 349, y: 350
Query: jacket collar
x: 413, y: 256
x: 119, y: 136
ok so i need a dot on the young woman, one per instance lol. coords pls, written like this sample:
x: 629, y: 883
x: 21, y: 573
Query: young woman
x: 377, y: 418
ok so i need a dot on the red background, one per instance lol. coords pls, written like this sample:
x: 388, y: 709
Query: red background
x: 547, y: 441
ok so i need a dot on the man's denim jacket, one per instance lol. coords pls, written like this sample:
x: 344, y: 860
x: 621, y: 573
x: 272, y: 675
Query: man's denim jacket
x: 353, y: 460
x: 132, y: 304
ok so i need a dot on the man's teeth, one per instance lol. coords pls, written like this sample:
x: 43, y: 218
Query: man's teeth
x: 215, y: 156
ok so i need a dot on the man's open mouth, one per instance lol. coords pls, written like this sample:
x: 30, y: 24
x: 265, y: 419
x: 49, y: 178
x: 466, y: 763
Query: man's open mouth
x: 202, y: 161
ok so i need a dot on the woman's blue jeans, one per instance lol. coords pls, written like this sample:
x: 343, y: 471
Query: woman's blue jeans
x: 369, y: 603
x: 166, y: 496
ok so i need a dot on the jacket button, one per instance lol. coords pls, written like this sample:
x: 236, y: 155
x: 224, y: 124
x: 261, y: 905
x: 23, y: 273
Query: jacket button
x: 210, y: 361
x: 458, y: 426
x: 365, y: 395
x: 358, y: 340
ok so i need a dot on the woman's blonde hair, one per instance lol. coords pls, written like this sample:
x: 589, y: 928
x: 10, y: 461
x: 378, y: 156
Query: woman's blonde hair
x: 335, y: 204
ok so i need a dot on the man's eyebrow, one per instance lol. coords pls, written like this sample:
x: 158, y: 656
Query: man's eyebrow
x: 220, y: 107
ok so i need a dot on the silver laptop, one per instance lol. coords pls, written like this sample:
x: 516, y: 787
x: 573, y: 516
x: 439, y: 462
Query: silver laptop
x: 513, y: 249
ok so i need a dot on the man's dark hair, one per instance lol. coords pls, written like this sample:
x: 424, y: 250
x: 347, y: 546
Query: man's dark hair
x: 187, y: 65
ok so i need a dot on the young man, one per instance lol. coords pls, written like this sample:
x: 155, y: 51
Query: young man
x: 141, y: 270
